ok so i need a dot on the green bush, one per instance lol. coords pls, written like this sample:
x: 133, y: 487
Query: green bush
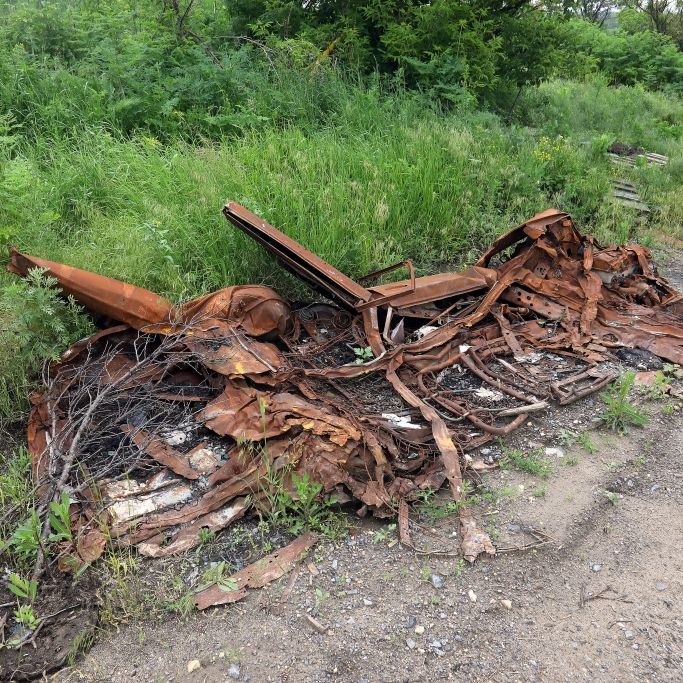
x: 35, y: 324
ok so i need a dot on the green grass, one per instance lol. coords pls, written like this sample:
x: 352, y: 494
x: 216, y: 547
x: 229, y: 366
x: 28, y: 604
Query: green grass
x: 532, y: 462
x: 376, y: 178
x: 620, y: 414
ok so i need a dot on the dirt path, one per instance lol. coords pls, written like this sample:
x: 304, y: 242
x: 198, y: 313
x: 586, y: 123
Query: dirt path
x: 601, y: 602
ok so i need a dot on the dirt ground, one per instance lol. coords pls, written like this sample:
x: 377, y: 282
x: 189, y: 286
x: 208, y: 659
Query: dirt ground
x: 602, y: 601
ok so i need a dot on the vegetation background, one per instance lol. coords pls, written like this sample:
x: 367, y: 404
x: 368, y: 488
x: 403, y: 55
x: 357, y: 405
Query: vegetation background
x: 370, y: 130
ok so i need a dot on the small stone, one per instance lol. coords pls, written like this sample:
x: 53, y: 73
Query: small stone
x: 193, y: 665
x: 436, y: 644
x: 629, y: 635
x: 367, y: 603
x: 596, y: 567
x: 554, y: 453
x: 234, y: 671
x: 662, y: 586
x: 458, y: 637
x: 472, y: 595
x: 514, y: 527
x: 635, y: 646
x: 485, y: 451
x: 411, y: 643
x: 412, y: 621
x: 335, y: 564
x: 506, y: 603
x: 419, y: 629
x: 436, y: 580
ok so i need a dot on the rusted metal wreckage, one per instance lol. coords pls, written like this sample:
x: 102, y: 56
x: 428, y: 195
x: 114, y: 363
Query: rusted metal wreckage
x: 174, y: 419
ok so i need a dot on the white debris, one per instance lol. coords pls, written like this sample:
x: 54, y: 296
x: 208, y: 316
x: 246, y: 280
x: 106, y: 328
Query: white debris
x: 400, y: 421
x: 175, y: 438
x: 425, y: 330
x: 489, y: 394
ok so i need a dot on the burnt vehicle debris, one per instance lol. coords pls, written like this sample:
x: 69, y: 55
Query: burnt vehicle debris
x: 173, y: 419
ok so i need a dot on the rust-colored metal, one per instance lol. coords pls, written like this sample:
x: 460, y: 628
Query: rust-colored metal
x: 299, y: 404
x: 114, y: 299
x: 320, y: 275
x: 256, y: 575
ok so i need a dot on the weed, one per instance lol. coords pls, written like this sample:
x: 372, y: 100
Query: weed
x: 660, y: 387
x: 363, y: 355
x: 307, y: 509
x: 383, y: 534
x: 434, y: 508
x: 36, y: 324
x: 540, y: 492
x: 459, y: 568
x: 81, y: 644
x: 59, y: 519
x: 612, y: 497
x: 215, y: 576
x: 206, y: 537
x: 569, y: 460
x: 639, y: 461
x: 587, y: 444
x: 182, y: 604
x: 26, y: 589
x: 321, y: 597
x: 25, y: 616
x: 16, y: 485
x: 620, y: 414
x: 25, y: 540
x: 532, y: 462
x: 568, y: 438
x: 493, y: 531
x: 612, y: 466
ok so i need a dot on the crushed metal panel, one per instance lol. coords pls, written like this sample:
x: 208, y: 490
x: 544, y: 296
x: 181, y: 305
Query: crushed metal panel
x: 432, y: 288
x: 304, y: 263
x: 118, y: 300
x: 550, y: 289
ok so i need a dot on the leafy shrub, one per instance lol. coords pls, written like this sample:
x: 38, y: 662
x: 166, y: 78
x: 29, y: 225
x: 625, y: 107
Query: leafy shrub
x: 35, y: 324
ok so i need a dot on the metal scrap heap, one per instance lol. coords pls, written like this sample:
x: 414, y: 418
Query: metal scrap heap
x: 173, y: 419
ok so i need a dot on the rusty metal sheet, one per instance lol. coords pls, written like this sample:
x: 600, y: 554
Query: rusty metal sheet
x: 246, y: 414
x: 319, y: 274
x: 259, y: 574
x: 255, y: 309
x: 161, y: 451
x: 407, y: 294
x: 289, y: 405
x: 117, y: 300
